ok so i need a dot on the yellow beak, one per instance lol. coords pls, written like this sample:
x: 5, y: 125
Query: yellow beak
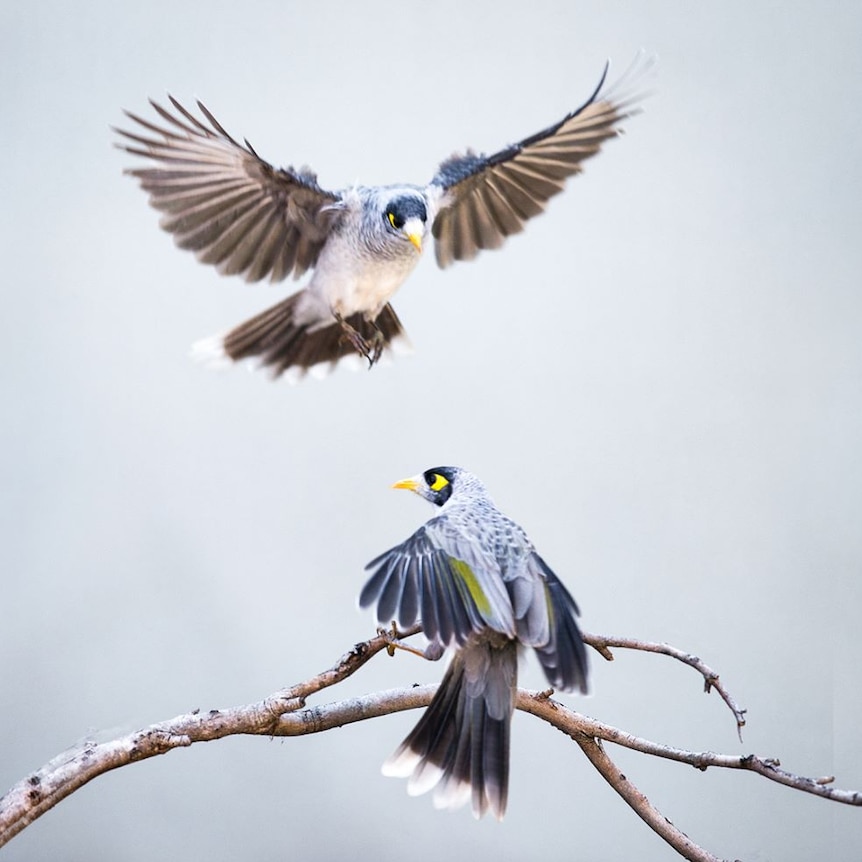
x: 409, y: 484
x: 416, y: 239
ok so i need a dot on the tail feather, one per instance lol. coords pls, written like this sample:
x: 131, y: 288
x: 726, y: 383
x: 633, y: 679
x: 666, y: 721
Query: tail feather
x: 460, y: 747
x: 279, y: 343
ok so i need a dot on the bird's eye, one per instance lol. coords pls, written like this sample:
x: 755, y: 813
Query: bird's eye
x: 438, y: 482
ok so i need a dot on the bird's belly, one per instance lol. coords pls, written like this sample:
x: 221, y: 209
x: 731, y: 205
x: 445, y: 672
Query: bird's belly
x: 364, y: 288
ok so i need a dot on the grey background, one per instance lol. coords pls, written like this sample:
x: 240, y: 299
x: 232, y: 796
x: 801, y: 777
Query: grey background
x: 660, y: 380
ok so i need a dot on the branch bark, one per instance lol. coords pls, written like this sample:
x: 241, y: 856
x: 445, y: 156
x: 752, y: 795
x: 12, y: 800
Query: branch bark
x: 285, y: 714
x: 602, y: 643
x: 595, y: 752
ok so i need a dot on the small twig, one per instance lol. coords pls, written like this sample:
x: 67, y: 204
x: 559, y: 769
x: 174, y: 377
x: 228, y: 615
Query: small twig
x: 603, y: 643
x: 347, y: 665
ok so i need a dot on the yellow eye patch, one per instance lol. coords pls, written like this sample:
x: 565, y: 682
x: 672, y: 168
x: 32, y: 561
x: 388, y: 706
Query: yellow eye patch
x: 391, y: 217
x: 439, y: 482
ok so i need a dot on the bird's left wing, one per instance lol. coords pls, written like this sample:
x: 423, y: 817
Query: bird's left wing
x: 442, y: 580
x: 227, y: 204
x: 484, y: 199
x: 563, y: 657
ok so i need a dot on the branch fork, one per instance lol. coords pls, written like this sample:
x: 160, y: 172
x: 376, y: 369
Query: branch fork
x: 285, y: 713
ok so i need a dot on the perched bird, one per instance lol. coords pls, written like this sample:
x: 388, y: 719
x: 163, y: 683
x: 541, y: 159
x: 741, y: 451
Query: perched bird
x: 221, y: 200
x: 478, y: 586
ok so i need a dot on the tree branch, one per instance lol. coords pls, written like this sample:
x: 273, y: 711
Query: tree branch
x: 573, y: 723
x: 596, y: 754
x: 73, y: 768
x: 285, y: 714
x: 602, y: 644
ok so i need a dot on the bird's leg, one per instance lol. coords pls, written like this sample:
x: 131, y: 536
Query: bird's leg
x: 358, y: 342
x: 433, y: 652
x: 378, y: 342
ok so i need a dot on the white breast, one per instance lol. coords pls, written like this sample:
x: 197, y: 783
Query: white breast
x: 348, y: 280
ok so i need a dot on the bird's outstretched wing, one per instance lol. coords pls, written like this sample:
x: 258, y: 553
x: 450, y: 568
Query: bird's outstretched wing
x: 444, y: 581
x: 563, y: 657
x: 487, y: 198
x: 224, y: 202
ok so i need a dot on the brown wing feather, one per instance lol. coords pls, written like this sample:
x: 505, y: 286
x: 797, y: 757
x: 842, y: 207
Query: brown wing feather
x: 225, y: 203
x: 487, y: 198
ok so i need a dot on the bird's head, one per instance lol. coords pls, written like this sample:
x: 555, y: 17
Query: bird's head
x: 406, y: 216
x: 435, y: 485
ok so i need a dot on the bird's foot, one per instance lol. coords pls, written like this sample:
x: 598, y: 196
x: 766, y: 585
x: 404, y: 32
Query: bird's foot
x: 359, y: 343
x: 371, y: 349
x: 432, y: 652
x: 377, y: 345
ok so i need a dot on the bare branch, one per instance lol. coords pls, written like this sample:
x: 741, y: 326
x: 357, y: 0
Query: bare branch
x: 602, y: 644
x: 73, y: 768
x: 573, y: 723
x: 596, y: 754
x: 285, y: 714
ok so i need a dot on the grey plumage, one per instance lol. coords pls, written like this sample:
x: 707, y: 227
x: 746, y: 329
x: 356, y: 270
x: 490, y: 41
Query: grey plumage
x: 236, y: 211
x: 478, y: 586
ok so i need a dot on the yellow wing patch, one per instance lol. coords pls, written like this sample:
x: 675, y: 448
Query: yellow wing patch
x: 471, y: 582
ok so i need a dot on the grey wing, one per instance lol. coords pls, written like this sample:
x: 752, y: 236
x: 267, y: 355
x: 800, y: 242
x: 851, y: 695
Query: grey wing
x: 485, y: 198
x: 453, y: 589
x: 224, y: 202
x: 546, y: 618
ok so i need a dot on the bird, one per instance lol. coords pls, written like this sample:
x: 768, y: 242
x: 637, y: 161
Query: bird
x: 234, y: 210
x: 477, y: 585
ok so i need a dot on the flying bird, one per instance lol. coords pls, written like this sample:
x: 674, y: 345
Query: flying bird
x: 220, y: 199
x: 478, y: 586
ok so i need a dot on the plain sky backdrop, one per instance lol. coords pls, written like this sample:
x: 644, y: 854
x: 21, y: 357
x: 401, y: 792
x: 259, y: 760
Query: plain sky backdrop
x: 661, y: 379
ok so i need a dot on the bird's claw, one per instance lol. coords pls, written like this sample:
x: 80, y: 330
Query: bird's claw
x: 370, y: 350
x: 356, y: 340
x: 377, y: 344
x: 391, y: 635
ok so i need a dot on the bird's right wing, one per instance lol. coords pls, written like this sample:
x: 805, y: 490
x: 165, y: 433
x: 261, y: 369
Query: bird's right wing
x: 224, y: 202
x: 442, y: 580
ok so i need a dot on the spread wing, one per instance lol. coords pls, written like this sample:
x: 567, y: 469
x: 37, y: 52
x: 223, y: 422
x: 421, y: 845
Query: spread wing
x: 224, y: 202
x: 441, y: 578
x: 563, y: 657
x: 546, y: 617
x: 487, y: 198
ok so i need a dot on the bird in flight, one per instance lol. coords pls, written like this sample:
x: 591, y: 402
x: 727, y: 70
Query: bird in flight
x: 220, y: 199
x: 478, y: 586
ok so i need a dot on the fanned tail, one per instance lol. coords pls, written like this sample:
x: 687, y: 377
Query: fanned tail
x: 277, y: 342
x: 460, y: 746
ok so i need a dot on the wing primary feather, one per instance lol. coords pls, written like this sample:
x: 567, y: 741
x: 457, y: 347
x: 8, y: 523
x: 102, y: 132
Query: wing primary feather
x: 214, y: 123
x: 407, y: 610
x: 197, y: 127
x: 390, y: 595
x: 373, y: 586
x: 431, y: 622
